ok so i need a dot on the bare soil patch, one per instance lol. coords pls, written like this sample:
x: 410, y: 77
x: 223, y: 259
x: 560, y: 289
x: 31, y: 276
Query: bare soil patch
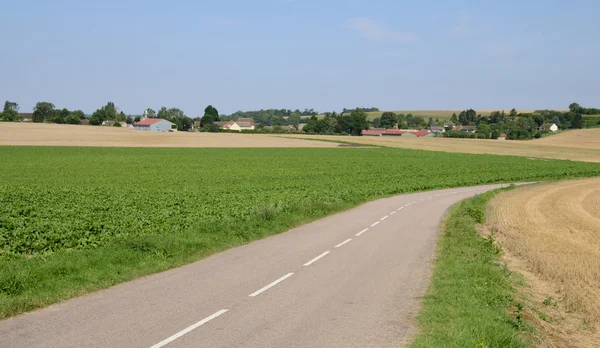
x: 577, y: 145
x: 551, y: 235
x: 36, y: 134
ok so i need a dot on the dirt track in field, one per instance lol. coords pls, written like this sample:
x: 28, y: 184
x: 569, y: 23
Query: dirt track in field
x: 36, y: 134
x: 576, y: 145
x: 554, y: 230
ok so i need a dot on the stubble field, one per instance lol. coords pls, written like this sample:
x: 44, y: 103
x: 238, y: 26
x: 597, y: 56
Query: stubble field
x: 554, y: 229
x: 575, y: 145
x: 39, y: 134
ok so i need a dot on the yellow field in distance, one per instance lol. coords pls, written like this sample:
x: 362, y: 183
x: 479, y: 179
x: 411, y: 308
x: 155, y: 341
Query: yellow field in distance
x: 576, y: 145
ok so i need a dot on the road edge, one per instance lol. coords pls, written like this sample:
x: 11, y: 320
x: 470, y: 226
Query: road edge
x: 471, y: 299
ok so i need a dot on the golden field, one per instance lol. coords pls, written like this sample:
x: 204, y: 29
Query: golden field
x: 40, y: 134
x: 576, y: 145
x: 554, y: 230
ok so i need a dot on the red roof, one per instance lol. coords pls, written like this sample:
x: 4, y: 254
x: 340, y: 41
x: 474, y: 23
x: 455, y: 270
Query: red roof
x: 394, y: 131
x: 148, y: 121
x: 420, y: 134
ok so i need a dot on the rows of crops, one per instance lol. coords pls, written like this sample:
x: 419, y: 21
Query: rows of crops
x: 65, y: 198
x: 128, y: 212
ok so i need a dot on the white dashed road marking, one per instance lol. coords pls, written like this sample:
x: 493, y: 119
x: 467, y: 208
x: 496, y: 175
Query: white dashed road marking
x: 316, y: 258
x: 375, y: 224
x: 385, y: 217
x: 343, y: 243
x: 258, y: 292
x: 189, y: 329
x: 361, y: 232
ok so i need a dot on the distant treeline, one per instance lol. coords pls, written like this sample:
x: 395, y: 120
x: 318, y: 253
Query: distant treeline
x: 362, y: 109
x: 273, y: 117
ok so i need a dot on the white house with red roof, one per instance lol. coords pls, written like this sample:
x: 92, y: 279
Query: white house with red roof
x: 155, y: 125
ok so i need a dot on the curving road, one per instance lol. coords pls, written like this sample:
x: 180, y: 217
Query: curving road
x: 353, y: 279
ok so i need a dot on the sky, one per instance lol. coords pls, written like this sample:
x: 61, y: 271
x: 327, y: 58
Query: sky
x: 321, y: 54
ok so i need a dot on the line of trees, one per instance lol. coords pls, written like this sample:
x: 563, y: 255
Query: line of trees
x: 334, y: 123
x: 522, y: 126
x: 42, y: 112
x: 390, y: 119
x: 344, y: 111
x: 274, y: 117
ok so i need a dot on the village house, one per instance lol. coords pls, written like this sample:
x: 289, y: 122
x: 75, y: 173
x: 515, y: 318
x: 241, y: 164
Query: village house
x: 449, y: 124
x: 549, y: 127
x: 125, y: 125
x: 435, y: 129
x: 108, y: 123
x: 155, y: 125
x: 502, y: 136
x: 238, y: 125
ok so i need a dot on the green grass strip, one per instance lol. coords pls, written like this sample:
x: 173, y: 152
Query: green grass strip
x: 470, y: 300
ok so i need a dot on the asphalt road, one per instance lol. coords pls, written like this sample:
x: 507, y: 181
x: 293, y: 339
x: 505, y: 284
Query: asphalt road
x: 353, y: 279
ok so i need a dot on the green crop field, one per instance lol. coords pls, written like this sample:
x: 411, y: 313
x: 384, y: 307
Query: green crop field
x: 73, y: 220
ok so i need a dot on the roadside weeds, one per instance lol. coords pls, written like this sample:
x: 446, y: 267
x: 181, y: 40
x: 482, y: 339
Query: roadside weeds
x: 472, y: 299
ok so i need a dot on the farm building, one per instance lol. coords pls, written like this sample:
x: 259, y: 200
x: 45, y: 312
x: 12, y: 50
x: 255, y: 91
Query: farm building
x: 551, y: 127
x: 502, y: 136
x: 238, y: 125
x: 378, y: 132
x: 393, y: 132
x: 26, y: 117
x: 125, y: 125
x: 435, y: 129
x: 449, y: 124
x: 154, y: 125
x: 108, y: 123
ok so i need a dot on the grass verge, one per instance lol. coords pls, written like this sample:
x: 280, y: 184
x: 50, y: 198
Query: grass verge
x: 470, y: 301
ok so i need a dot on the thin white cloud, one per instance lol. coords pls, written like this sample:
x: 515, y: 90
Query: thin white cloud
x: 375, y: 31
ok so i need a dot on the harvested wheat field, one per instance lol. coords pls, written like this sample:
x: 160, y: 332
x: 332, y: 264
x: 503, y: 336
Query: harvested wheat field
x: 40, y: 134
x: 576, y: 145
x: 554, y: 231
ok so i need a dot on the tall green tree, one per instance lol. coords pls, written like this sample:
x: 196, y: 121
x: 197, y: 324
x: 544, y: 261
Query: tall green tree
x: 575, y: 108
x: 42, y: 111
x: 150, y: 113
x: 163, y: 112
x: 354, y: 123
x: 467, y: 117
x: 211, y: 115
x: 577, y: 121
x: 10, y: 112
x: 388, y: 119
x: 8, y: 105
x: 111, y: 111
x: 454, y: 118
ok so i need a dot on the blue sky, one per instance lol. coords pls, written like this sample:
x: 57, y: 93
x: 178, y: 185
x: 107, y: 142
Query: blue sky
x: 327, y: 55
